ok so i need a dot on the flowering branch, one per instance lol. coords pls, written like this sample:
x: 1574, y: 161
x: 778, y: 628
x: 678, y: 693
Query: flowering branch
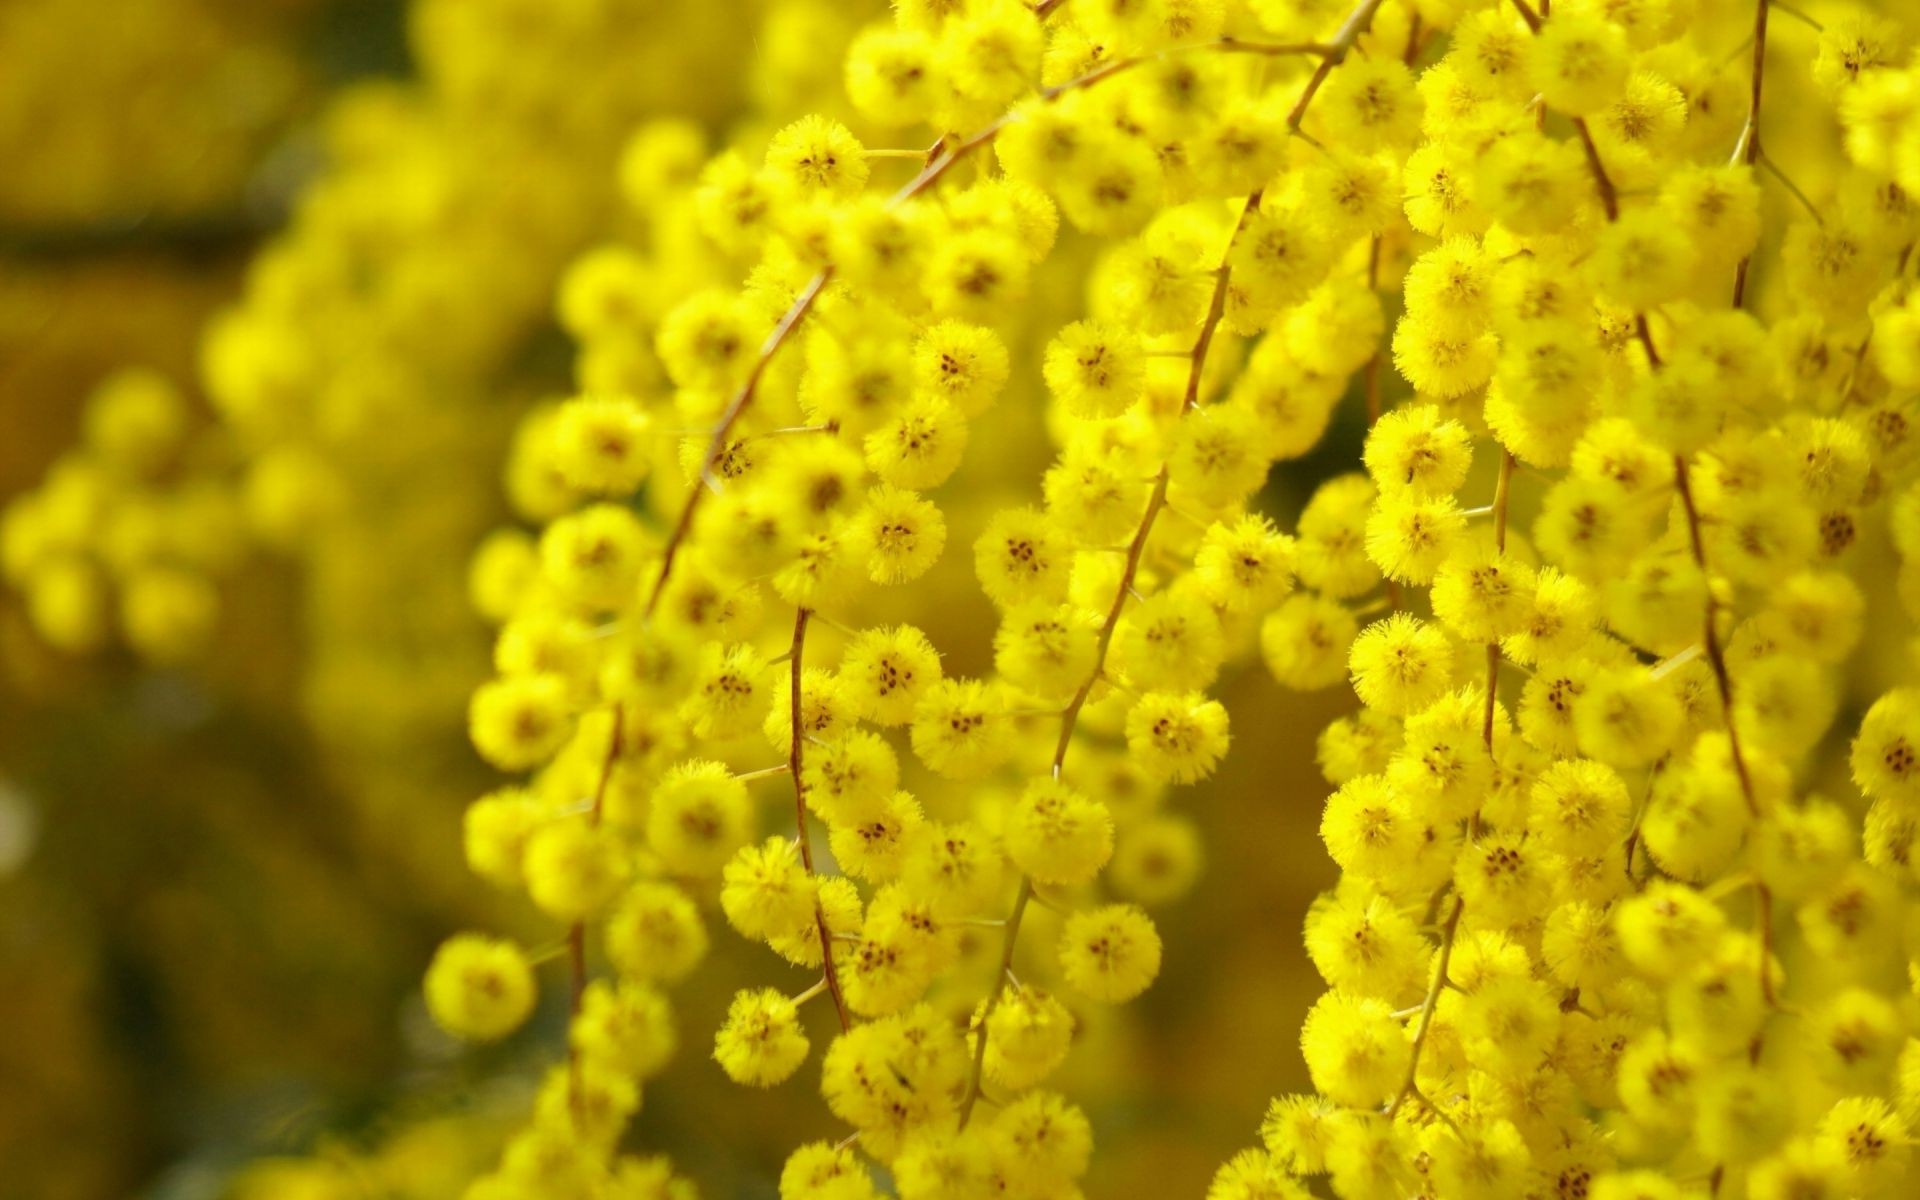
x: 941, y: 160
x: 1331, y: 56
x: 796, y: 763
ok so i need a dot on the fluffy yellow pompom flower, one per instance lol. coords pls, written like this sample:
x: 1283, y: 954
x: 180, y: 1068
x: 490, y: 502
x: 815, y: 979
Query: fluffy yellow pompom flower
x: 1171, y: 641
x: 875, y: 849
x: 819, y: 1171
x: 901, y: 534
x: 761, y: 1042
x: 594, y: 557
x: 1415, y: 447
x: 699, y: 815
x: 1095, y: 369
x: 1028, y: 1036
x: 1400, y: 664
x: 1363, y: 944
x: 1408, y: 535
x: 1355, y: 1050
x: 573, y: 869
x: 1244, y: 566
x: 1019, y: 556
x: 850, y: 780
x: 1483, y: 595
x: 519, y: 722
x: 817, y: 156
x: 1175, y: 736
x: 887, y: 670
x: 1578, y: 61
x: 626, y: 1027
x: 960, y: 729
x: 1048, y: 649
x: 601, y: 443
x: 1056, y: 835
x: 1305, y: 641
x: 1110, y: 954
x: 654, y: 932
x: 479, y: 988
x: 1642, y: 260
x: 495, y: 832
x: 1886, y: 753
x: 766, y: 891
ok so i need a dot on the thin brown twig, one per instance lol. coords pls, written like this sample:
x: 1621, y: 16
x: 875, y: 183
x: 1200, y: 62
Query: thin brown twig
x: 1409, y: 1084
x: 1335, y: 54
x: 1500, y: 490
x: 1793, y: 189
x: 1070, y: 716
x: 742, y: 397
x: 1609, y: 195
x: 1009, y: 939
x: 1449, y: 934
x: 796, y: 768
x: 1373, y: 360
x: 577, y: 932
x: 1749, y: 147
x: 1233, y: 45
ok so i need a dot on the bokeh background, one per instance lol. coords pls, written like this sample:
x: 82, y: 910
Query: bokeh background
x: 220, y: 878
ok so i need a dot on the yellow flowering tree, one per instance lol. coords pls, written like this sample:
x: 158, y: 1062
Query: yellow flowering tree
x: 1620, y: 292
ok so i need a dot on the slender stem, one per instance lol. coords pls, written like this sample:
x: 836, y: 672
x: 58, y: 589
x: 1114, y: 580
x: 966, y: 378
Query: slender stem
x: 1500, y: 489
x: 1231, y: 45
x: 1069, y: 718
x: 1749, y: 150
x: 1450, y: 932
x: 577, y: 932
x: 717, y: 443
x: 796, y: 767
x: 1644, y: 331
x: 1408, y: 1085
x: 1008, y: 941
x: 1609, y: 195
x: 1336, y: 53
x: 1373, y: 361
x: 762, y: 773
x: 1216, y: 308
x: 1773, y: 168
x: 1716, y: 654
x: 1723, y: 684
x: 1156, y: 500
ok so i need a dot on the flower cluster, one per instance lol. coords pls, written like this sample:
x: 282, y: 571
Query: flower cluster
x: 790, y: 418
x: 1604, y: 927
x: 141, y: 513
x: 1625, y: 823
